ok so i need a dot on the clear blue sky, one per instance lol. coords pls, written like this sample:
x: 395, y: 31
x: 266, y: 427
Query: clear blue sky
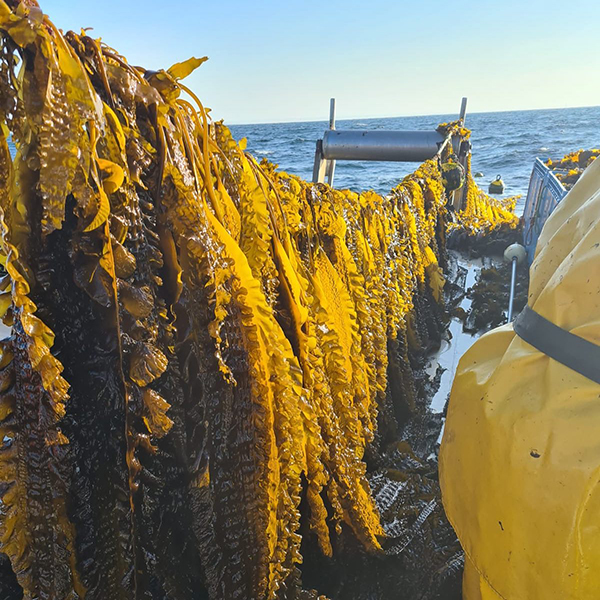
x: 282, y: 61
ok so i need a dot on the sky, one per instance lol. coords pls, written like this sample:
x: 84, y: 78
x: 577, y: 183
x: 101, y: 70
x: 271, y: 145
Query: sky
x: 274, y: 61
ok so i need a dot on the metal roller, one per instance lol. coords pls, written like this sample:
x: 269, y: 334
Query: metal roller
x: 403, y: 146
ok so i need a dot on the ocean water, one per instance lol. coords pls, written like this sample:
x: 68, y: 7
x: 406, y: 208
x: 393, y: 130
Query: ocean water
x: 504, y: 143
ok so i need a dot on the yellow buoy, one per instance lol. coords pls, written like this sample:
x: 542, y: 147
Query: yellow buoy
x: 497, y: 186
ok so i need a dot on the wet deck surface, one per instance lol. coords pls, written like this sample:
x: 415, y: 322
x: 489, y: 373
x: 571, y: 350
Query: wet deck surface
x: 452, y: 349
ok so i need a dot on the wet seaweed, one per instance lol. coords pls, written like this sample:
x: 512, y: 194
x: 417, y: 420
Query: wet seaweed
x: 211, y: 361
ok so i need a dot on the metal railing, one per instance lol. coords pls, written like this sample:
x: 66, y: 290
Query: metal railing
x: 544, y: 194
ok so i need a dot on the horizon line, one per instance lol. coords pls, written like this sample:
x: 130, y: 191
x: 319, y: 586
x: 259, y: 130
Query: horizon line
x: 480, y: 112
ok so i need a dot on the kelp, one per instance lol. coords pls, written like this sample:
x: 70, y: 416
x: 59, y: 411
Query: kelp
x: 200, y: 344
x: 570, y: 167
x: 479, y: 213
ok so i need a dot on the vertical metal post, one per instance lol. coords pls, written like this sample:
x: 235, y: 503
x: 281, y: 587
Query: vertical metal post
x: 320, y: 164
x: 332, y: 113
x: 463, y: 110
x: 515, y: 253
x: 331, y: 163
x: 459, y: 195
x: 513, y: 279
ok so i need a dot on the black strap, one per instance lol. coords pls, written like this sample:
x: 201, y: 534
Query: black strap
x: 557, y: 343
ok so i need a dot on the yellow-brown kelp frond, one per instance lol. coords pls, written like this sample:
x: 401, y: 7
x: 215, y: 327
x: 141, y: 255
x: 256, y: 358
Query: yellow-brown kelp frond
x: 34, y: 528
x: 201, y: 346
x: 480, y: 213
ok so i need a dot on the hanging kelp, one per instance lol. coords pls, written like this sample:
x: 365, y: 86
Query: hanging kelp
x: 479, y: 213
x: 199, y: 343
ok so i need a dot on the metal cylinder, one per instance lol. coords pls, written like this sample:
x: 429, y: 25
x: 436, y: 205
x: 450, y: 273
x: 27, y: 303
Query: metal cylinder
x: 404, y: 146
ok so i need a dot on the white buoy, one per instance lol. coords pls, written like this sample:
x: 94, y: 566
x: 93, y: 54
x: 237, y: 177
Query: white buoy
x: 515, y: 251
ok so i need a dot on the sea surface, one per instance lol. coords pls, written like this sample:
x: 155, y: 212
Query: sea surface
x: 504, y: 143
